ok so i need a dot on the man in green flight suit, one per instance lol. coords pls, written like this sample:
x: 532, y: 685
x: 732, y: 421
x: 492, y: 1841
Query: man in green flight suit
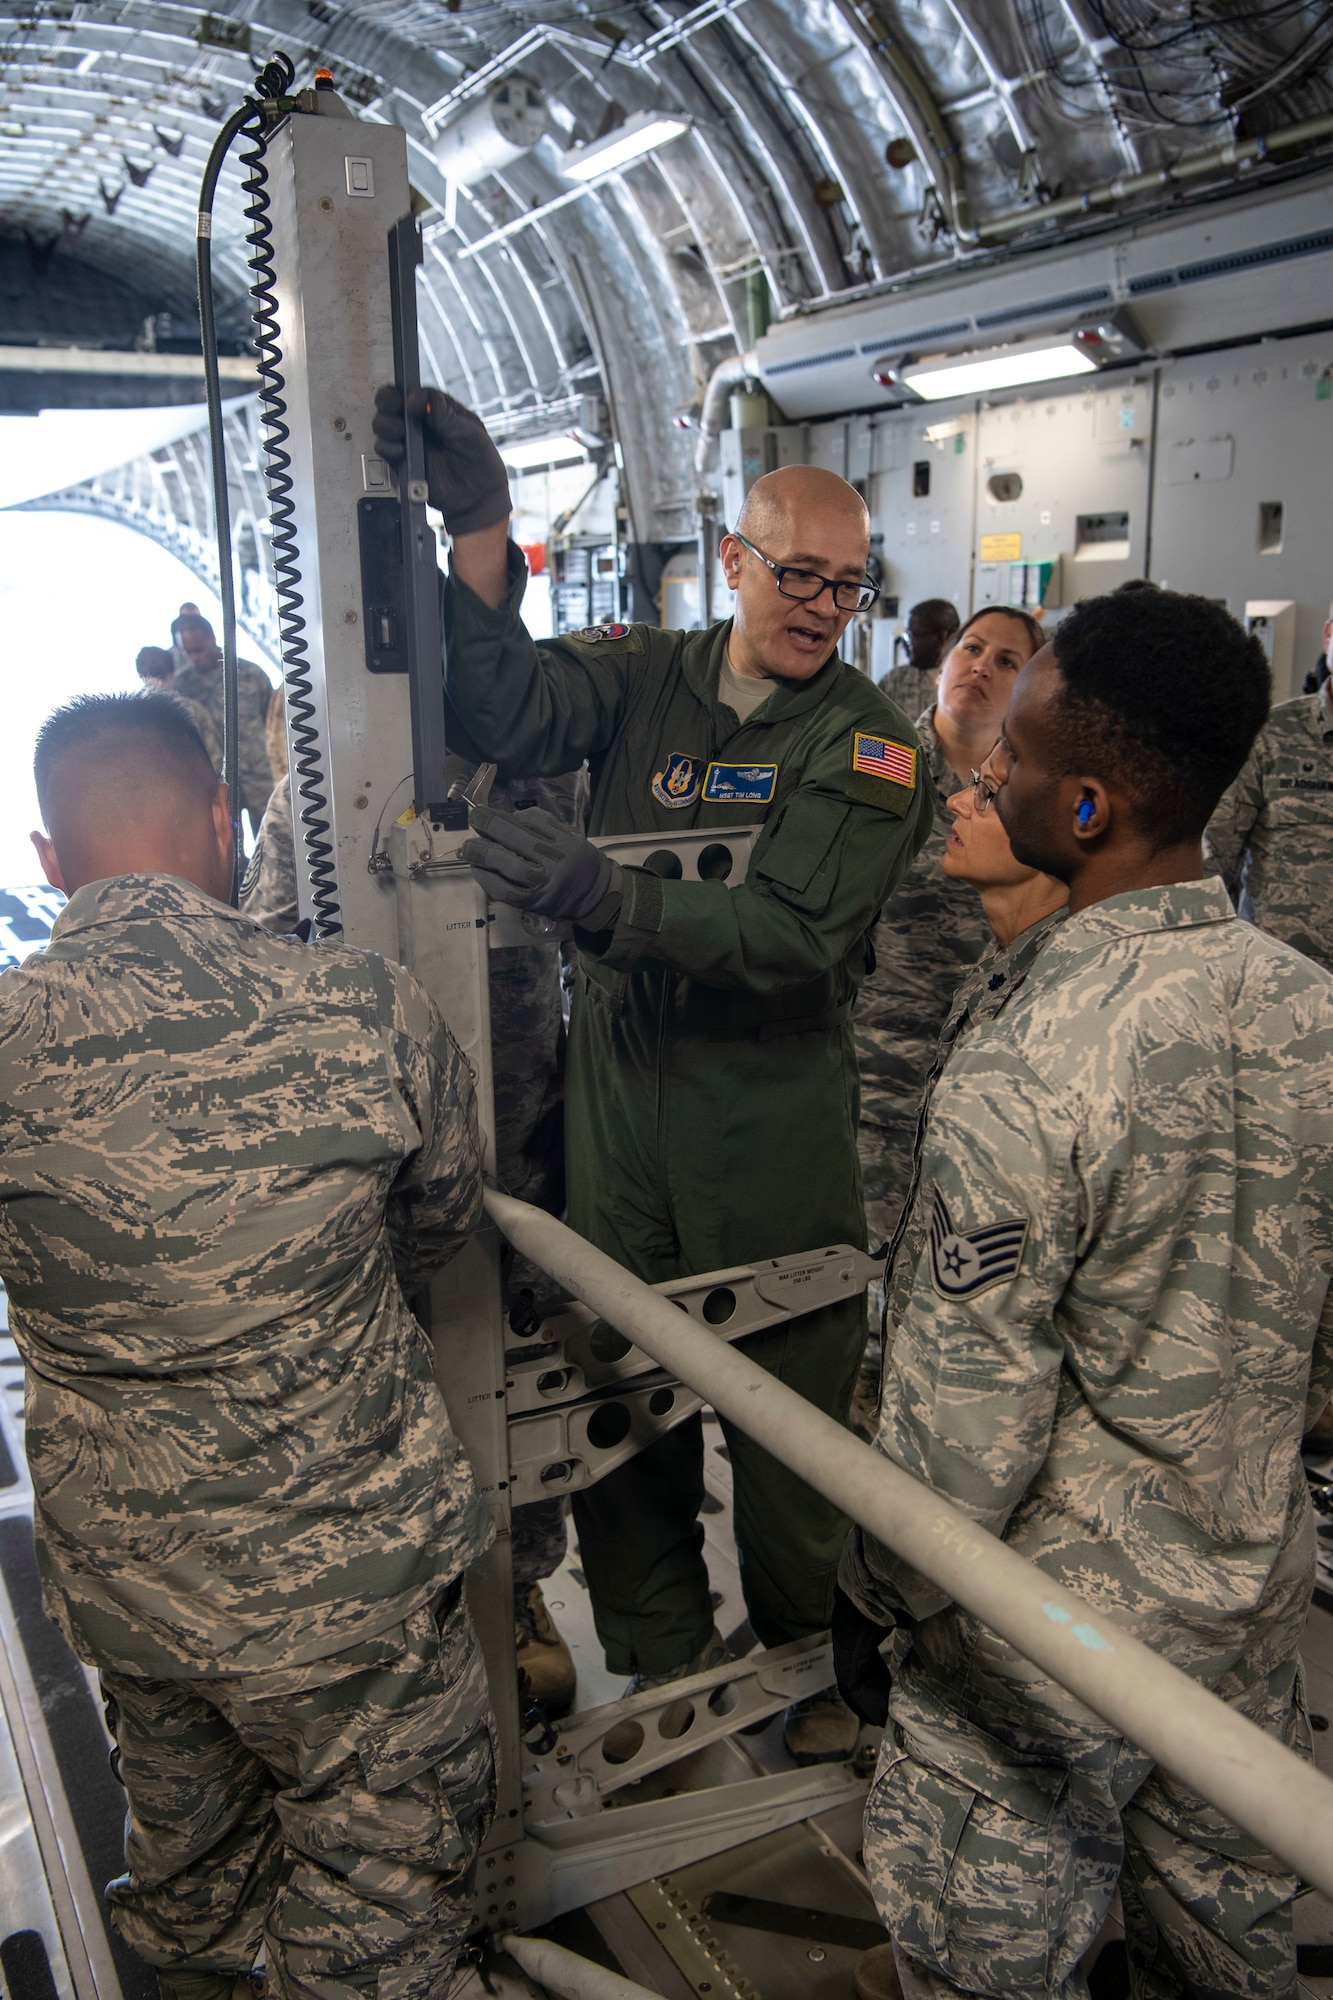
x: 712, y: 1089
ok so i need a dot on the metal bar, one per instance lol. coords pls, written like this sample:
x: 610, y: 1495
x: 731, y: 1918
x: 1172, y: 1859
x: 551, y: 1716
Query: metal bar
x: 1188, y: 167
x: 1249, y: 1776
x: 565, y: 1973
x: 113, y: 361
x: 421, y: 590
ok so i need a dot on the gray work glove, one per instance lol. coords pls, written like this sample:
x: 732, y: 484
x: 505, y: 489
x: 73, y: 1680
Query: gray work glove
x: 536, y: 862
x: 465, y: 475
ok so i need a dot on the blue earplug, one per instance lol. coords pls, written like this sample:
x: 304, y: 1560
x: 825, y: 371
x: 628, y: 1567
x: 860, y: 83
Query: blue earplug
x: 1085, y: 812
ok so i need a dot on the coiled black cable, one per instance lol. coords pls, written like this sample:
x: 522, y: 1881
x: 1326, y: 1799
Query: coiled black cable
x: 253, y: 120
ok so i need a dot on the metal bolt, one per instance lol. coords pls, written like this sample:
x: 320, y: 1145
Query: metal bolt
x: 340, y: 423
x: 326, y: 203
x: 360, y: 802
x: 509, y: 1882
x: 816, y: 1954
x: 349, y: 617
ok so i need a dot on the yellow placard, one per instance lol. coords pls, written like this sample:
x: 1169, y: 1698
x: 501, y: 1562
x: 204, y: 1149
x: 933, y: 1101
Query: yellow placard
x: 1001, y: 548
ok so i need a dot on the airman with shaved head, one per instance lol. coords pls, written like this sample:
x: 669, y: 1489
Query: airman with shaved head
x: 225, y: 1158
x: 711, y: 1105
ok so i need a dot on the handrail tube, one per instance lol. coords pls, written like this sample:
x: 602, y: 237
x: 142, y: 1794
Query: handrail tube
x: 1256, y: 1781
x: 566, y: 1973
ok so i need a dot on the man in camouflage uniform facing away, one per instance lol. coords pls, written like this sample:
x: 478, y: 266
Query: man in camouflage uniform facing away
x: 528, y: 1064
x: 1101, y: 1327
x: 223, y: 1155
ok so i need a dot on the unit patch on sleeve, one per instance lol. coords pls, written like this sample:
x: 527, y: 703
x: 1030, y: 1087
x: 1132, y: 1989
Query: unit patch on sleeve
x: 740, y: 784
x: 961, y: 1266
x: 883, y: 772
x: 677, y: 783
x: 593, y: 635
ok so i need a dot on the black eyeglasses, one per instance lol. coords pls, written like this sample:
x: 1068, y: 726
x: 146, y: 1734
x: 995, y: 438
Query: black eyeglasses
x: 805, y: 586
x: 983, y: 793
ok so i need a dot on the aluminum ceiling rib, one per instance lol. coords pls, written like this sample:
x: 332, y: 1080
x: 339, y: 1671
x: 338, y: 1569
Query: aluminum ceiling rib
x: 636, y: 290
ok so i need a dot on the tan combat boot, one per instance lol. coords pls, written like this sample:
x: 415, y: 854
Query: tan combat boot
x: 542, y: 1654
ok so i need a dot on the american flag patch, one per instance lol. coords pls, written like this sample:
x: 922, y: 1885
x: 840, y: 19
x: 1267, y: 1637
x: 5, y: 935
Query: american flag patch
x: 881, y: 757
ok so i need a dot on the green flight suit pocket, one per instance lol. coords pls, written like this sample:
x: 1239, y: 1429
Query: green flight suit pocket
x: 801, y: 858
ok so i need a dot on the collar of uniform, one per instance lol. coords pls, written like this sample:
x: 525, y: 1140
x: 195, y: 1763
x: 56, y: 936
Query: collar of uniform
x: 702, y: 668
x: 1175, y: 906
x: 125, y: 898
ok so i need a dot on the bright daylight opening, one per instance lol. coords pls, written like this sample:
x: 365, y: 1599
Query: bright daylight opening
x: 78, y: 598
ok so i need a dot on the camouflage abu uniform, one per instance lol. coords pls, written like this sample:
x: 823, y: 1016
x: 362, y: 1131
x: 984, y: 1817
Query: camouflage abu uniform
x: 911, y: 687
x: 220, y: 1152
x: 528, y: 1051
x: 1120, y: 1395
x: 202, y: 686
x: 931, y: 929
x: 1272, y: 835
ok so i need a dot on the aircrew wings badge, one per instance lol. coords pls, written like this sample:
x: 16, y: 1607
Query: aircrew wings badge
x: 963, y: 1265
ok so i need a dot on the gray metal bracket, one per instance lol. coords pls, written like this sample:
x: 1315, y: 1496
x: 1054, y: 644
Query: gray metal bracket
x: 576, y: 1860
x: 699, y: 854
x: 574, y: 1354
x: 656, y: 1728
x: 582, y: 1400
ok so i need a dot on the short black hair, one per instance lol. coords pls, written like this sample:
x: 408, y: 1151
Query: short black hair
x: 1163, y: 696
x: 153, y: 663
x: 147, y: 717
x: 937, y: 613
x: 192, y: 618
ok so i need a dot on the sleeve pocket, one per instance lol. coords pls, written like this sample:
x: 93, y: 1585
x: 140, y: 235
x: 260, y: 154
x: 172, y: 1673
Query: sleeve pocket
x: 800, y: 857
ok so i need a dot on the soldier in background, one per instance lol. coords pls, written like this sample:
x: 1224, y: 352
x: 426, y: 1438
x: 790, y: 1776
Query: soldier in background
x: 528, y: 1070
x: 200, y: 680
x: 914, y: 682
x: 156, y: 668
x: 932, y: 928
x: 1102, y: 1318
x: 252, y: 1514
x: 1271, y: 837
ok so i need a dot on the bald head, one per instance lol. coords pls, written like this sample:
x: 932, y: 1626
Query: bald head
x: 794, y: 499
x: 126, y: 787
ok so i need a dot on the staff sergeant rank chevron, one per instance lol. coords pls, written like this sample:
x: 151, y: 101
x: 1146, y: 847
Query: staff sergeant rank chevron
x: 961, y: 1265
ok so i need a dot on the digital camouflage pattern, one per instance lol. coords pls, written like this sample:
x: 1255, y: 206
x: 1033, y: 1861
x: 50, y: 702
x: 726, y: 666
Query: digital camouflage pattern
x: 994, y: 1859
x: 911, y: 687
x: 330, y: 1817
x: 254, y: 691
x: 268, y: 888
x: 1120, y: 1396
x: 930, y: 931
x: 220, y: 1152
x: 528, y: 1066
x: 1272, y: 835
x: 986, y: 990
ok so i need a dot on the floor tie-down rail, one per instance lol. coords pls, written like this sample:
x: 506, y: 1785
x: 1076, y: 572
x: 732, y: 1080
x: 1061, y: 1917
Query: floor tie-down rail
x: 1253, y: 1779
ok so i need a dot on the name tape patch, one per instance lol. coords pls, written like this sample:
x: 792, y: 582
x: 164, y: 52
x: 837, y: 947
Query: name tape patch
x: 963, y: 1265
x: 677, y: 783
x: 881, y: 757
x: 740, y: 784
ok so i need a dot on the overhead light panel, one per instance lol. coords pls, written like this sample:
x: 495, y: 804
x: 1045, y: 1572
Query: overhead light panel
x: 1049, y: 358
x: 642, y: 132
x: 535, y: 454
